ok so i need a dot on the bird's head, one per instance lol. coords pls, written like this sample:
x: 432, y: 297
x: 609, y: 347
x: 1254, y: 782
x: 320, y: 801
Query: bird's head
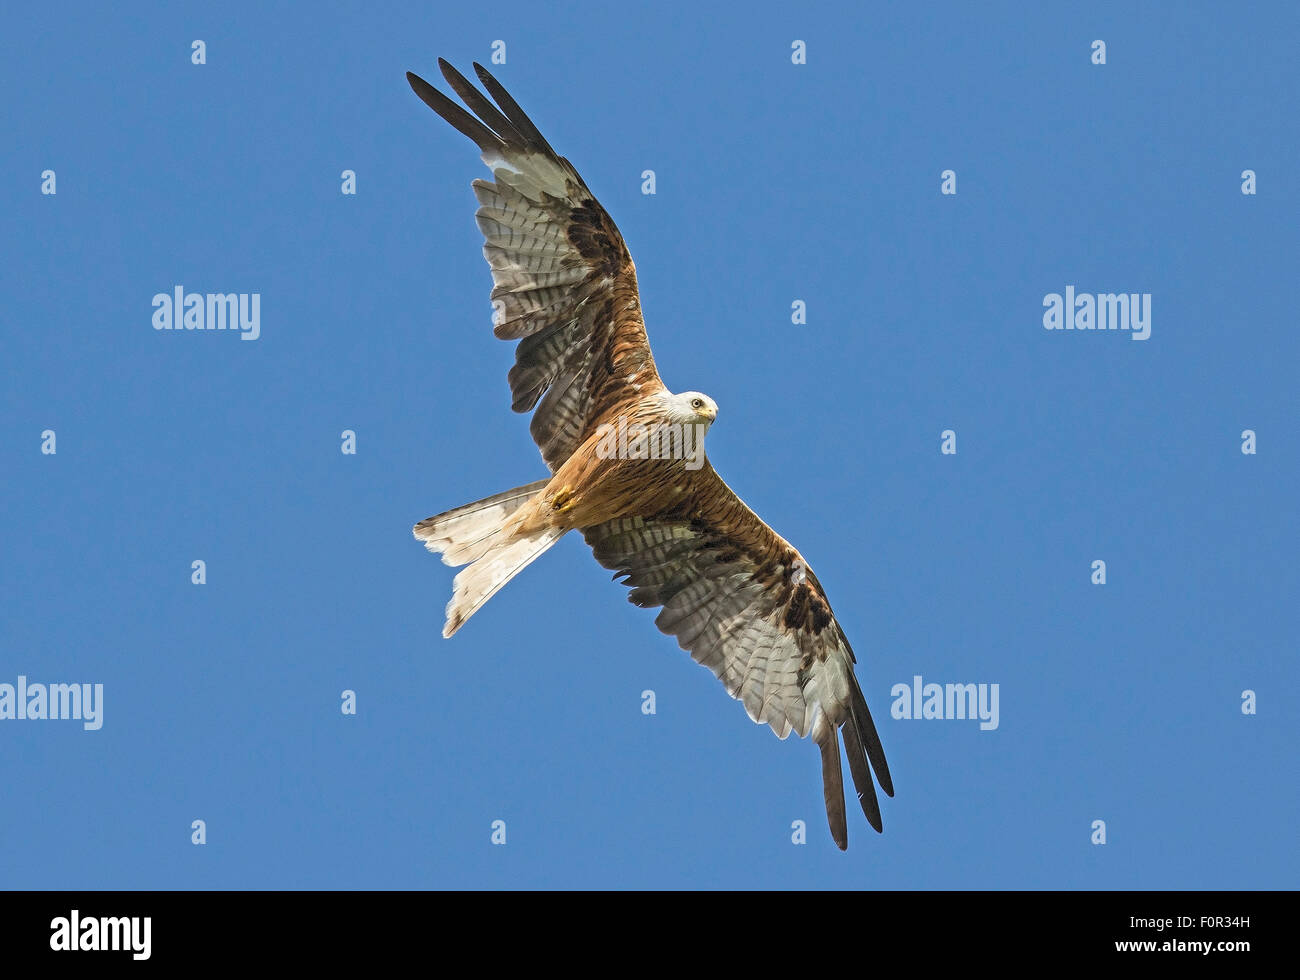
x: 691, y: 408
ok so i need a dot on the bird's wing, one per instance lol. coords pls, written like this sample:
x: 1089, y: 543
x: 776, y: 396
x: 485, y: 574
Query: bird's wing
x: 565, y: 285
x: 745, y: 604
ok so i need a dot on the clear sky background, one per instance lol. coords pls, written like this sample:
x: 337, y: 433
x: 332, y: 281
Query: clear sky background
x: 775, y: 182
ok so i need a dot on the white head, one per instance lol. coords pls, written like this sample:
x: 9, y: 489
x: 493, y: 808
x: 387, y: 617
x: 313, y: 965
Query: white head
x: 690, y: 408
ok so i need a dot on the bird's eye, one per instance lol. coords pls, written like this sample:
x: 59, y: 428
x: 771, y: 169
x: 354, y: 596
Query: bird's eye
x: 696, y: 403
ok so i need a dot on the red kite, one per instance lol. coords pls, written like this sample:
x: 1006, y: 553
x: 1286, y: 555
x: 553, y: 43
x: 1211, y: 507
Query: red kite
x: 626, y: 461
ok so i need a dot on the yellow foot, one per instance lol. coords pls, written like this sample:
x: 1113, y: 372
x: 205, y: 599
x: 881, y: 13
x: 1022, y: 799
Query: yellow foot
x: 563, y: 500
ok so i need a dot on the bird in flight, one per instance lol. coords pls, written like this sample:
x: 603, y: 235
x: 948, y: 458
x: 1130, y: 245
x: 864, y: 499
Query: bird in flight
x: 628, y: 471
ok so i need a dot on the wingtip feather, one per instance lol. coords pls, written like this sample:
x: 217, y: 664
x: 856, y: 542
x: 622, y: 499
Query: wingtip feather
x: 833, y: 790
x: 861, y: 773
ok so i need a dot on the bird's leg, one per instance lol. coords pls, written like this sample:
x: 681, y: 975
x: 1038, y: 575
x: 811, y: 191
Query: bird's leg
x: 563, y: 500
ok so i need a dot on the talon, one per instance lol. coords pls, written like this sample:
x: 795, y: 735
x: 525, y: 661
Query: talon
x: 561, y: 501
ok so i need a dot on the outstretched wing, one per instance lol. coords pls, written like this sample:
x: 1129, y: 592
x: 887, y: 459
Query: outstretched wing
x: 565, y: 285
x: 745, y: 604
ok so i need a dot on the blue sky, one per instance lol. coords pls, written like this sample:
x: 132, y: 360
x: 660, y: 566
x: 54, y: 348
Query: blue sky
x: 775, y: 182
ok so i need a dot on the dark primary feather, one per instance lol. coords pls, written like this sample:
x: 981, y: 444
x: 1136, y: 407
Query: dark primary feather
x: 870, y: 740
x: 833, y: 792
x: 483, y: 137
x: 484, y: 109
x: 521, y: 121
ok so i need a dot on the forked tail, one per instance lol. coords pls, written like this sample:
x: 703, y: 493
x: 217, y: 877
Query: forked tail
x: 482, y: 536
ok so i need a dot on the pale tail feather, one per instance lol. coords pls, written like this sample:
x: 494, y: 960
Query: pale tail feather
x: 480, y: 581
x: 465, y: 534
x: 476, y: 535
